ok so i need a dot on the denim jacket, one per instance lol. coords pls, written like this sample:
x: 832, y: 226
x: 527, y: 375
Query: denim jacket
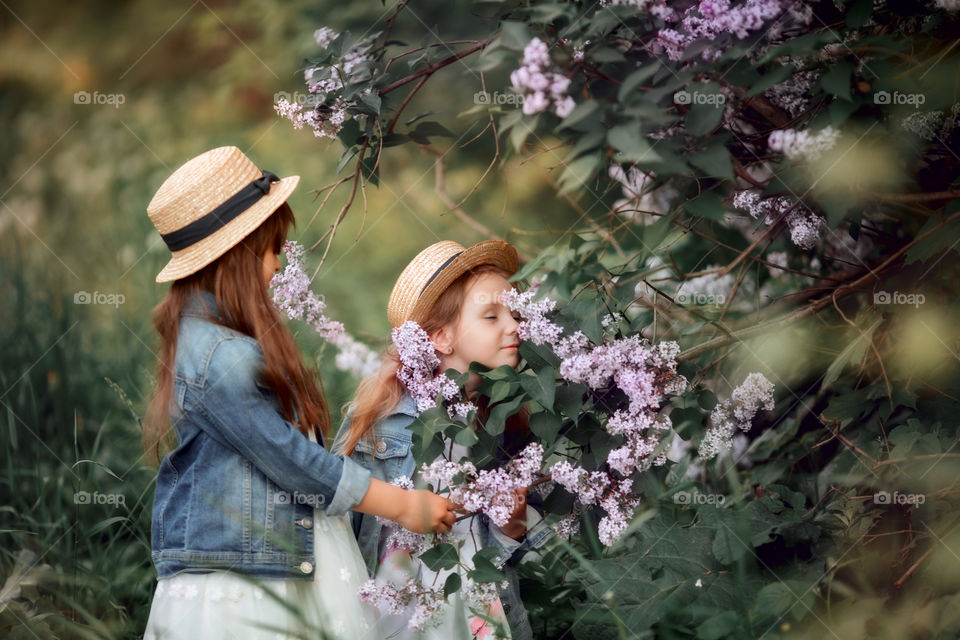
x: 223, y: 495
x: 391, y: 456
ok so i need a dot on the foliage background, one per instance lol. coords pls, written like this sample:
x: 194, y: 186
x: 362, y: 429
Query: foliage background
x: 799, y: 548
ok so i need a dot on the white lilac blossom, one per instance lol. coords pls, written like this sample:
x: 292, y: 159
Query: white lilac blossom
x: 793, y: 94
x: 639, y: 202
x: 328, y: 111
x: 778, y: 258
x: 947, y: 5
x: 738, y: 411
x: 540, y: 87
x: 708, y: 20
x: 805, y: 225
x: 643, y: 372
x: 595, y: 487
x: 324, y: 36
x: 326, y: 121
x: 290, y: 290
x: 356, y: 357
x: 801, y: 144
x: 535, y: 326
x: 489, y: 491
x: 403, y: 539
x: 427, y: 602
x: 419, y: 364
x: 932, y: 124
x: 656, y: 8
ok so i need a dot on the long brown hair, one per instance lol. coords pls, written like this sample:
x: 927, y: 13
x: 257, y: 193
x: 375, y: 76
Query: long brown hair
x: 244, y: 303
x: 380, y: 392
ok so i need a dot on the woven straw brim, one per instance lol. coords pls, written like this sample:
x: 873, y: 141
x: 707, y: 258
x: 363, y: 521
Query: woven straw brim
x: 408, y: 303
x: 198, y: 255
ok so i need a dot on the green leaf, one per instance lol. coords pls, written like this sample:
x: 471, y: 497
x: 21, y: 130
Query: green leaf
x: 441, y: 557
x: 836, y: 81
x: 570, y: 399
x: 707, y: 205
x: 784, y: 596
x: 372, y: 100
x: 859, y: 13
x: 851, y: 354
x: 776, y: 76
x: 715, y: 161
x: 452, y: 584
x: 580, y: 112
x: 579, y: 172
x: 706, y: 108
x: 466, y: 437
x: 501, y: 389
x: 545, y: 426
x: 541, y: 387
x: 514, y: 35
x: 947, y: 238
x: 483, y: 570
x: 719, y: 626
x: 634, y: 80
x: 627, y: 139
x: 500, y: 413
x: 427, y: 128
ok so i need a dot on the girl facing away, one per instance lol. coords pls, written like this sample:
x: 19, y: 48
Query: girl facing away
x: 250, y: 534
x: 453, y: 293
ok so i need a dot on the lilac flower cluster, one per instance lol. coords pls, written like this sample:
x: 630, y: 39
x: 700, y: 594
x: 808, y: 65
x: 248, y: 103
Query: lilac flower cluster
x: 290, y: 290
x: 801, y: 144
x: 540, y: 87
x: 535, y: 326
x: 326, y: 121
x: 805, y: 225
x: 708, y: 20
x: 401, y: 539
x: 596, y: 487
x: 738, y: 411
x: 419, y: 364
x: 328, y: 111
x: 643, y: 372
x: 489, y: 490
x: 427, y: 602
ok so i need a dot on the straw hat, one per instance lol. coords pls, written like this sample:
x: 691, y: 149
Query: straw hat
x: 431, y: 272
x: 210, y: 204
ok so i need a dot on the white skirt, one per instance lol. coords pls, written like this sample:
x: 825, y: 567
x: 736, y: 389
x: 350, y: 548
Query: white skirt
x: 221, y: 604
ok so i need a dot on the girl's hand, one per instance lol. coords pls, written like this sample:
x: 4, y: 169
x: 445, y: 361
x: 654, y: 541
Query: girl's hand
x: 516, y: 527
x: 426, y: 512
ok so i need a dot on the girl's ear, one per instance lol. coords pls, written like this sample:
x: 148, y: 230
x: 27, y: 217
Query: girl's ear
x: 442, y: 339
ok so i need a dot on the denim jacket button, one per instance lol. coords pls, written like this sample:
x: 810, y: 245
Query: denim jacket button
x: 306, y: 567
x: 306, y: 523
x: 381, y: 446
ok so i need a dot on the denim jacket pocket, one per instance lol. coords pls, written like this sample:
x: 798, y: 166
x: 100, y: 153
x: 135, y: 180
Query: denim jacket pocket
x: 389, y: 453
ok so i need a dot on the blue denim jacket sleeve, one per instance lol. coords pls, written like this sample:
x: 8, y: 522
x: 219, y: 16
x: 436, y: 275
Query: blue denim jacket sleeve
x: 243, y: 417
x: 512, y: 551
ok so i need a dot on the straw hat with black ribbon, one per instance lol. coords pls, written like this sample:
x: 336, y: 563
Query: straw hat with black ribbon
x: 210, y: 204
x: 435, y: 268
